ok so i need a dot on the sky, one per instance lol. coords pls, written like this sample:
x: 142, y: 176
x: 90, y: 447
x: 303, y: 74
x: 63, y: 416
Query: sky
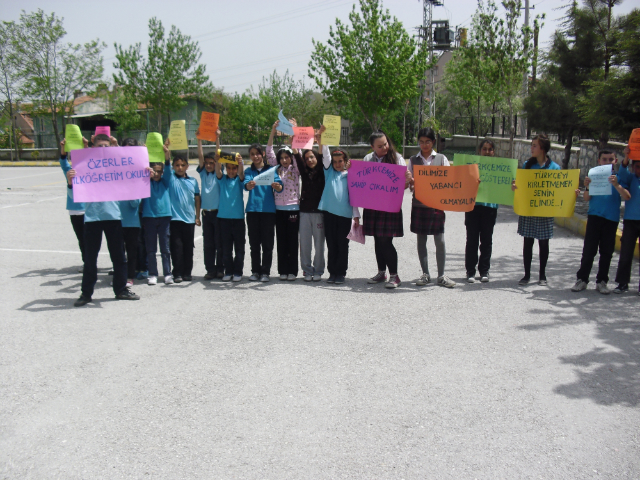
x: 243, y: 41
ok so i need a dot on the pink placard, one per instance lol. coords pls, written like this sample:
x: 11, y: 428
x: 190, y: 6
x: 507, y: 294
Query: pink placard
x: 110, y: 173
x: 303, y: 138
x: 103, y: 131
x: 377, y: 186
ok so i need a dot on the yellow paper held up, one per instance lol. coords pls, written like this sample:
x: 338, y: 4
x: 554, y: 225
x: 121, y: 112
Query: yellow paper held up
x: 546, y: 193
x: 331, y: 135
x: 73, y: 138
x: 178, y: 135
x: 154, y: 146
x: 228, y: 157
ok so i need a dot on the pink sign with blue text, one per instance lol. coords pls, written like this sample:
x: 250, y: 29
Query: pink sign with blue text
x: 377, y: 186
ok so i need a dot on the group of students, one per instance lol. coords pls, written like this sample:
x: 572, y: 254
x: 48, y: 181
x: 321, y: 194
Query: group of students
x: 307, y: 206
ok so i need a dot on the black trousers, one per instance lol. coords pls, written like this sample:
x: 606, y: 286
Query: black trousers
x: 141, y: 264
x: 92, y: 242
x: 131, y: 241
x: 77, y: 222
x: 287, y: 229
x: 600, y: 234
x: 630, y: 233
x: 479, y: 222
x: 232, y: 232
x: 386, y: 254
x: 336, y: 229
x: 212, y: 242
x: 527, y: 256
x: 181, y: 245
x: 261, y: 229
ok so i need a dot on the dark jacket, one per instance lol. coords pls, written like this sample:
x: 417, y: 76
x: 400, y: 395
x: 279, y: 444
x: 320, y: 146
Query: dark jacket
x: 312, y: 184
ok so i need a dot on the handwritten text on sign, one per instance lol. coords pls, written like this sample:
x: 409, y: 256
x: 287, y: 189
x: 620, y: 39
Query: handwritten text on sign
x: 447, y: 188
x: 496, y: 175
x: 546, y: 193
x: 110, y: 173
x: 377, y: 186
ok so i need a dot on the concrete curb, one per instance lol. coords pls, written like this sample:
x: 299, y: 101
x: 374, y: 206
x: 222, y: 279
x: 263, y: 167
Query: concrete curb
x: 578, y: 224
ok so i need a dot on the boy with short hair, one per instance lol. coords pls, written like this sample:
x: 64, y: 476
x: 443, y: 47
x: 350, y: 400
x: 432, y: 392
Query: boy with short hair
x: 103, y: 217
x: 602, y: 225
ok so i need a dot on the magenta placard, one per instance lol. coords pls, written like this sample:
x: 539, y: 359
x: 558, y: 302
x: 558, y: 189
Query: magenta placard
x: 103, y: 130
x: 378, y: 186
x: 110, y: 173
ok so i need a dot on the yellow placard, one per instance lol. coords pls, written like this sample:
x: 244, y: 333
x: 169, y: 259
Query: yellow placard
x: 178, y: 135
x: 228, y: 157
x: 331, y: 135
x: 546, y: 193
x: 73, y: 138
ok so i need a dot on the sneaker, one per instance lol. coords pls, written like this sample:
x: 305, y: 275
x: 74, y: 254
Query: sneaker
x: 394, y: 282
x: 331, y: 279
x: 621, y: 288
x: 127, y: 294
x: 524, y: 281
x: 445, y: 281
x: 154, y: 280
x: 254, y: 277
x: 110, y: 272
x: 142, y: 275
x: 129, y: 283
x: 339, y: 280
x: 82, y: 301
x: 471, y: 279
x: 187, y: 278
x: 237, y: 278
x: 226, y: 278
x: 542, y: 282
x: 283, y: 277
x: 210, y: 276
x: 602, y: 288
x: 423, y: 280
x: 291, y: 277
x: 378, y: 278
x: 484, y: 278
x: 307, y: 278
x: 177, y: 279
x: 220, y: 275
x: 579, y: 286
x: 265, y: 278
x: 317, y: 278
x: 168, y: 280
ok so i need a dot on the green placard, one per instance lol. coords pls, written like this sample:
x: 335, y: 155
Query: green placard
x: 496, y: 175
x: 154, y: 146
x: 73, y: 138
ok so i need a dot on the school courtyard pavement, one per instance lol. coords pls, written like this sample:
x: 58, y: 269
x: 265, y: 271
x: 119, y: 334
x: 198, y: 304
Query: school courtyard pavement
x: 291, y: 380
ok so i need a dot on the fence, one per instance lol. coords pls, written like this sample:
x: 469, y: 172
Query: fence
x: 488, y: 126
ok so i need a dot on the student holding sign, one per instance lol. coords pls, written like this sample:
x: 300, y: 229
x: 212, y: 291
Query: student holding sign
x: 479, y: 223
x: 261, y: 212
x: 287, y: 208
x: 629, y: 178
x: 75, y: 209
x: 425, y: 220
x: 602, y: 226
x: 384, y: 226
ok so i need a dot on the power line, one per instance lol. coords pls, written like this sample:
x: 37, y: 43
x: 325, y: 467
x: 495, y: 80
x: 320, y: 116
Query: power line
x: 256, y: 71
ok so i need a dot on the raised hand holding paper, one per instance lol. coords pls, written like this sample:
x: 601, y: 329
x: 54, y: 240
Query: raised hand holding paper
x: 265, y: 178
x: 154, y: 147
x: 303, y: 138
x: 228, y: 157
x: 208, y: 129
x: 496, y: 175
x: 600, y: 180
x: 178, y: 135
x: 103, y: 131
x: 447, y: 188
x: 378, y: 186
x: 110, y: 173
x: 331, y: 135
x: 546, y: 193
x: 73, y: 138
x: 285, y: 125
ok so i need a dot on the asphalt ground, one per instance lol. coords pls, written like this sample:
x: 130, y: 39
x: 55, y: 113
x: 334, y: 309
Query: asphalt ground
x: 297, y: 380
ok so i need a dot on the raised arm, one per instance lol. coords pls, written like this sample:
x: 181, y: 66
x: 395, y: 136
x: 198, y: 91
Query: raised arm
x: 240, y: 168
x: 271, y: 156
x: 326, y: 157
x: 200, y: 152
x: 219, y: 167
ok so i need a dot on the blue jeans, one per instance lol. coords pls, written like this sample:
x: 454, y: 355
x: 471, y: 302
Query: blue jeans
x: 157, y: 230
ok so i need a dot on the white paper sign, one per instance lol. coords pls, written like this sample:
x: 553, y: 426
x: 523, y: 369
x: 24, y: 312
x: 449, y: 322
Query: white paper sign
x: 265, y: 178
x: 600, y: 180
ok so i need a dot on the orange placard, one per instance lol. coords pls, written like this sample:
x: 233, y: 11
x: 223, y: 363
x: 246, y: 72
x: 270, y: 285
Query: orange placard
x: 447, y: 188
x: 208, y: 126
x: 634, y: 144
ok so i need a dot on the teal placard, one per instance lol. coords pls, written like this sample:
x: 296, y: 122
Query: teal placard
x: 496, y: 175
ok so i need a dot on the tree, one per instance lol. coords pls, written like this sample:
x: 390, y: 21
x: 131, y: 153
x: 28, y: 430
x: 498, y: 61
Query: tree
x: 10, y: 82
x: 169, y: 72
x: 53, y: 71
x: 124, y: 111
x: 372, y: 67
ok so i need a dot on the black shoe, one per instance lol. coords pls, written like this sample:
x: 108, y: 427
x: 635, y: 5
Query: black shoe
x: 177, y: 279
x: 524, y: 281
x: 127, y: 294
x: 82, y: 301
x: 621, y: 288
x: 210, y: 276
x: 187, y: 278
x: 331, y: 279
x: 110, y: 272
x: 339, y: 279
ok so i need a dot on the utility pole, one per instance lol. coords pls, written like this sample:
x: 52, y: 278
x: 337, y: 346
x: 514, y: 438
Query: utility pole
x: 525, y: 81
x: 427, y: 101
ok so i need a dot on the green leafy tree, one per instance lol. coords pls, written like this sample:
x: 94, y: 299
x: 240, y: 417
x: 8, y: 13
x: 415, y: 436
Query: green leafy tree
x: 53, y: 71
x: 169, y: 72
x: 371, y: 67
x: 10, y: 85
x: 124, y: 111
